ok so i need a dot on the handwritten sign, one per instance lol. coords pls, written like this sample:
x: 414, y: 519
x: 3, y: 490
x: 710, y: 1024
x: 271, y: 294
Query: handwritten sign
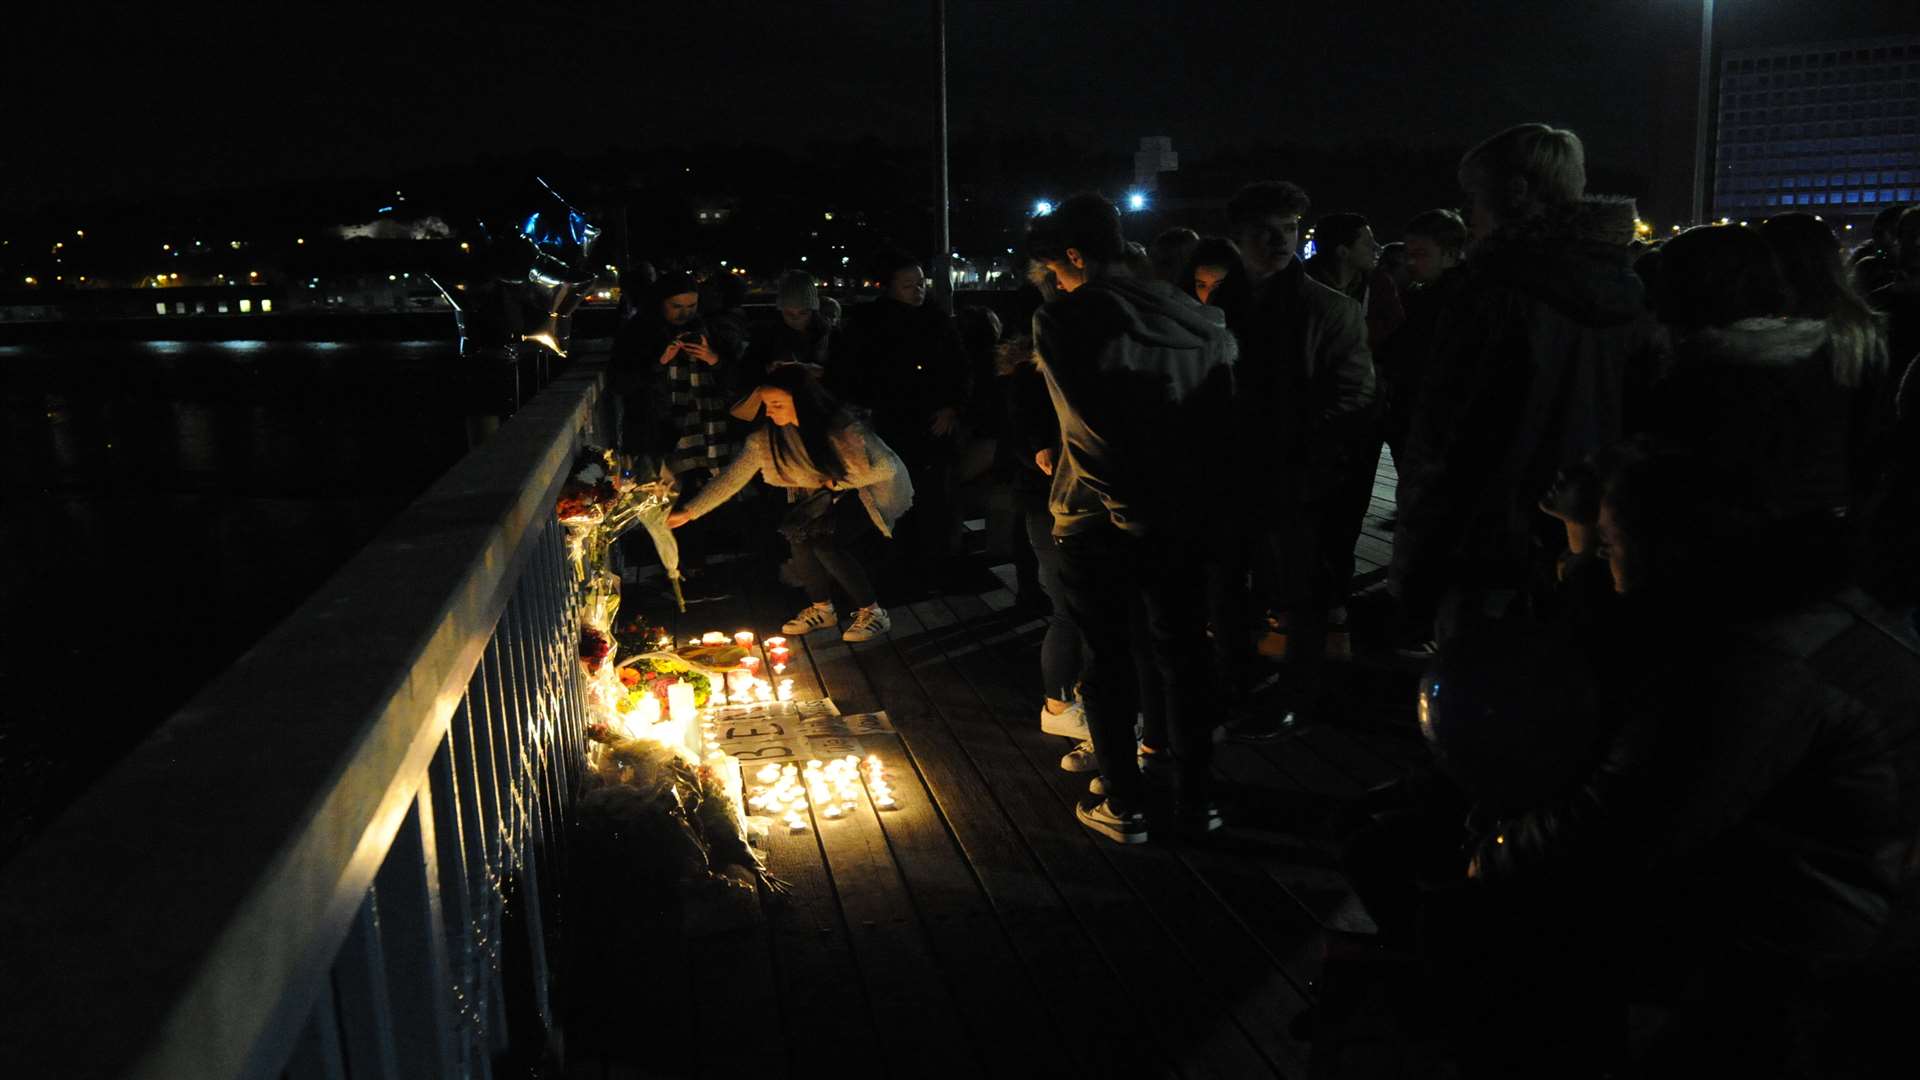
x: 794, y: 730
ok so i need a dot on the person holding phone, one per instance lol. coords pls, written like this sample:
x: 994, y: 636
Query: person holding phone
x: 675, y: 381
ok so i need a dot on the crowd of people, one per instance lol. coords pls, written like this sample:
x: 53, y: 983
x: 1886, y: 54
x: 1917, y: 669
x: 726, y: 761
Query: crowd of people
x: 1658, y: 522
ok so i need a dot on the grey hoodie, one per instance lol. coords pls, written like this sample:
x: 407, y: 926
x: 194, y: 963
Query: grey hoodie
x: 1139, y: 373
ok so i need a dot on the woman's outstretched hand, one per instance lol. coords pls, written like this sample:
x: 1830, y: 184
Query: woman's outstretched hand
x: 678, y: 518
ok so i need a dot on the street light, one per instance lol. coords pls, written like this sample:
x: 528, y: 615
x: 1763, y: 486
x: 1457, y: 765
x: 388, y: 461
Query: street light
x: 1701, y: 120
x: 1137, y: 200
x: 1042, y: 208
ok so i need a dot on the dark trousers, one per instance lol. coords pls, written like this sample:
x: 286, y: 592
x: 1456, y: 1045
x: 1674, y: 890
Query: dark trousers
x: 1105, y: 573
x: 825, y: 558
x: 1061, y: 654
x: 1313, y: 552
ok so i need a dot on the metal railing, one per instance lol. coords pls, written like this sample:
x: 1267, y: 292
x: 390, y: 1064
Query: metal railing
x: 341, y: 858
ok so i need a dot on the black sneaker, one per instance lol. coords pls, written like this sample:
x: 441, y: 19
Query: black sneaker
x: 1199, y: 818
x: 1264, y: 726
x: 1120, y: 827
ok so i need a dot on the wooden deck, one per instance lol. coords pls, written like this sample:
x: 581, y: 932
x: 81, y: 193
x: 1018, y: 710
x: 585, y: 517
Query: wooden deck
x: 979, y: 929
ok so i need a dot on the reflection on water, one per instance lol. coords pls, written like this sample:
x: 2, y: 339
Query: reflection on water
x: 165, y: 503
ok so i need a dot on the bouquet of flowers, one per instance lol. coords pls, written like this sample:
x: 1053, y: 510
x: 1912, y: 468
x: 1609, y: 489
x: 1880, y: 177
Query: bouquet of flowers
x: 595, y: 649
x: 652, y: 673
x: 647, y: 505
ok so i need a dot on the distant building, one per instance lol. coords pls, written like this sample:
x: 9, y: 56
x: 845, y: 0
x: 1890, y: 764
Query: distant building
x: 1154, y: 157
x: 1833, y: 129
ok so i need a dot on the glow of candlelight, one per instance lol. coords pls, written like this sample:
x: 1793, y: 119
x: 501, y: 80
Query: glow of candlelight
x: 743, y: 638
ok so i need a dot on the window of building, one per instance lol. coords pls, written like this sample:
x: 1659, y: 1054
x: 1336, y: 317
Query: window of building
x: 160, y: 309
x: 200, y: 307
x: 266, y: 305
x: 246, y: 307
x: 223, y: 307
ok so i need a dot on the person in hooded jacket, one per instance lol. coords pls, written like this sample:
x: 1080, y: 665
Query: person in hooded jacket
x: 803, y: 335
x: 1524, y: 376
x: 1753, y: 816
x: 1139, y: 374
x: 1784, y: 405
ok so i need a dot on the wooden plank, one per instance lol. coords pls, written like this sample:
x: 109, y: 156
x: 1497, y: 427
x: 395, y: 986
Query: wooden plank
x: 807, y: 962
x: 1231, y: 1005
x: 1014, y: 919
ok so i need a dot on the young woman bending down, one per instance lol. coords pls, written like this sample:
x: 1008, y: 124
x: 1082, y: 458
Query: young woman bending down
x: 849, y: 485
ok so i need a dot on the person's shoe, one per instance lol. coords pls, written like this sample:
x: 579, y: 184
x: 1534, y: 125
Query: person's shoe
x: 812, y: 617
x: 1264, y: 726
x: 868, y: 623
x: 1424, y: 649
x: 1080, y: 758
x: 1070, y: 722
x: 1120, y: 827
x: 1339, y: 643
x: 1199, y: 818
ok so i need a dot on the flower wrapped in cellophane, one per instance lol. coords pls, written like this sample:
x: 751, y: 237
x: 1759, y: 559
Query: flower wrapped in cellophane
x: 646, y: 504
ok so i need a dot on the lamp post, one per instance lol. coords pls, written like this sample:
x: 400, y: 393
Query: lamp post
x: 1702, y: 122
x: 942, y: 195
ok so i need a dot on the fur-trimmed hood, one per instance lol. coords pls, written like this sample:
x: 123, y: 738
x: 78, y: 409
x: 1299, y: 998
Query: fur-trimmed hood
x: 1578, y: 260
x: 1763, y: 342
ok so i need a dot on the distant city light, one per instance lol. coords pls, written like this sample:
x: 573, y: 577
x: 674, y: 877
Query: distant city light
x: 1137, y: 201
x: 1042, y: 208
x: 828, y: 215
x: 299, y: 239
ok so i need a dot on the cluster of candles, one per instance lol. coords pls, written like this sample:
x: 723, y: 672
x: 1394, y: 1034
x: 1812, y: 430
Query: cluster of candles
x: 744, y: 685
x: 831, y: 787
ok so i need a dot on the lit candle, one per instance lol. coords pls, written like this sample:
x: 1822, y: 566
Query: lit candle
x: 768, y: 774
x: 743, y: 638
x: 779, y: 654
x: 779, y: 668
x: 884, y: 802
x: 786, y: 689
x: 680, y: 706
x: 776, y: 643
x: 713, y: 637
x: 750, y: 664
x: 649, y: 711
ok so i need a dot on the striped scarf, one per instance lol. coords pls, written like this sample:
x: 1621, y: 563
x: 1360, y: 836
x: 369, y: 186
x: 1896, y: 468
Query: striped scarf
x: 699, y: 418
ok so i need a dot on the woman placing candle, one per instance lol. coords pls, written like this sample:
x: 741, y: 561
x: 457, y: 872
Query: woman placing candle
x: 855, y: 485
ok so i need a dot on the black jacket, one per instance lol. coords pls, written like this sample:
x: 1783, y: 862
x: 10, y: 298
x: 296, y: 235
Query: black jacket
x: 1305, y: 384
x: 646, y: 387
x: 903, y: 363
x: 1764, y: 776
x: 1530, y: 349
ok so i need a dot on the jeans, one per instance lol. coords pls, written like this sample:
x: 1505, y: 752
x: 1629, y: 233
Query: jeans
x: 825, y: 558
x: 1061, y: 654
x: 1106, y: 574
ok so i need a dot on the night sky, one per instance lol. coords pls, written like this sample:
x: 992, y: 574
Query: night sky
x: 155, y: 102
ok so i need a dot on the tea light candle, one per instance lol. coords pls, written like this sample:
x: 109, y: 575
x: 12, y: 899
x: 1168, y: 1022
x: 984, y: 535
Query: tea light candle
x: 743, y: 638
x: 779, y: 669
x: 713, y: 637
x: 768, y: 774
x: 649, y: 710
x: 786, y: 689
x: 779, y: 654
x: 750, y: 664
x: 776, y: 642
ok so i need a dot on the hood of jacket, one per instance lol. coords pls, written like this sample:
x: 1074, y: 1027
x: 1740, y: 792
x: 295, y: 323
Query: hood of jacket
x: 1155, y: 315
x: 1761, y: 342
x: 1578, y: 260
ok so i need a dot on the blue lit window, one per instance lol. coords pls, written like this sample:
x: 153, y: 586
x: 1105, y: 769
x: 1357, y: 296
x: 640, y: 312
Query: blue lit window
x: 1853, y: 196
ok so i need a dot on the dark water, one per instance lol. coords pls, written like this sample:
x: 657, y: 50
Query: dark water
x: 164, y: 505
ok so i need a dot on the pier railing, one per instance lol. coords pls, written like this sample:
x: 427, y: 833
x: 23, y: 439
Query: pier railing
x: 342, y: 858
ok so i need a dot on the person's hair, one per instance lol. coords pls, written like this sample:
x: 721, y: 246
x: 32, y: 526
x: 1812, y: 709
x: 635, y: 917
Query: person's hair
x: 1264, y: 197
x: 1551, y: 160
x: 1212, y: 252
x: 1684, y: 523
x: 1169, y: 252
x: 817, y: 415
x: 1338, y: 230
x: 1138, y: 261
x: 1809, y: 258
x: 889, y: 261
x: 1906, y: 238
x: 1886, y: 222
x: 1715, y: 275
x: 1087, y: 222
x: 798, y: 289
x: 1444, y: 227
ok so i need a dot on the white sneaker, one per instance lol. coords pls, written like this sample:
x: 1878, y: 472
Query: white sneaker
x: 1081, y: 758
x: 1070, y: 722
x: 868, y: 623
x: 812, y: 617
